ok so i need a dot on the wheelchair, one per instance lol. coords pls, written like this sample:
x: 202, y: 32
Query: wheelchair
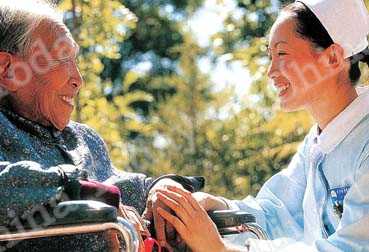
x: 72, y: 218
x: 86, y: 216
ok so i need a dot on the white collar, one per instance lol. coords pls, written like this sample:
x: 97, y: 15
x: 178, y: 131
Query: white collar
x: 337, y: 130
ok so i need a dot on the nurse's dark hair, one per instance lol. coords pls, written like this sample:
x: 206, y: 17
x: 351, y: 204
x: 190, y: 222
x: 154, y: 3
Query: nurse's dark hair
x: 308, y: 26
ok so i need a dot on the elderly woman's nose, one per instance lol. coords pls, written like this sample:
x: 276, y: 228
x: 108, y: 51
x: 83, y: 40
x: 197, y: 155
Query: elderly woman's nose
x: 77, y: 79
x: 76, y: 84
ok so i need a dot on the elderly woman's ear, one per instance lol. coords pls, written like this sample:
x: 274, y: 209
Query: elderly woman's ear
x: 7, y: 80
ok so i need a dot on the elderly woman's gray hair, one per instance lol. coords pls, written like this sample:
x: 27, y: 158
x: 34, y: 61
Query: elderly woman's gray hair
x: 18, y: 19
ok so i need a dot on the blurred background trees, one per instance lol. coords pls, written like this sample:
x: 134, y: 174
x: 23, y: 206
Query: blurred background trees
x: 147, y: 94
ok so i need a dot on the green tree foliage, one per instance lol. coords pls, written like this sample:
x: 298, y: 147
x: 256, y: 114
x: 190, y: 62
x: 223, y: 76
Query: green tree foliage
x: 149, y: 50
x: 98, y: 26
x: 236, y: 154
x: 158, y: 112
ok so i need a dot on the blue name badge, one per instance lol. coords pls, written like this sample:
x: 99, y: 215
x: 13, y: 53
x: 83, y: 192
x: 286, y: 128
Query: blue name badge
x: 338, y: 195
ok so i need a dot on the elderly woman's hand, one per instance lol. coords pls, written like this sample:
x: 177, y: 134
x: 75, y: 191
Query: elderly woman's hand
x: 210, y: 202
x: 191, y: 221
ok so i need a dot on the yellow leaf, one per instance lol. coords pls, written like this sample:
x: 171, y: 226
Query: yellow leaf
x: 130, y: 78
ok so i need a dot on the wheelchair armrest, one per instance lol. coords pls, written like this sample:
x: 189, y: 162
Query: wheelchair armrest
x: 83, y: 211
x: 234, y: 222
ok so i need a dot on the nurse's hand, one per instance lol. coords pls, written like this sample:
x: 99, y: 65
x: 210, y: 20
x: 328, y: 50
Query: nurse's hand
x: 191, y: 221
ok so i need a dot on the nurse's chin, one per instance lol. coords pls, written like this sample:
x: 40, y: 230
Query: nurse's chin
x: 289, y: 107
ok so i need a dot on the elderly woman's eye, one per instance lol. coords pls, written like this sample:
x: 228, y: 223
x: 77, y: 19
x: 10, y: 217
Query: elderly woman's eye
x: 282, y: 53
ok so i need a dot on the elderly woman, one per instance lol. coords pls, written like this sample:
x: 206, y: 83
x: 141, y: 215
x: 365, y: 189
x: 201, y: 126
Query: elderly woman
x: 42, y: 152
x: 320, y: 202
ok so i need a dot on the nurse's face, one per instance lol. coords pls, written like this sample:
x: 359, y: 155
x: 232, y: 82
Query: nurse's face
x: 297, y: 69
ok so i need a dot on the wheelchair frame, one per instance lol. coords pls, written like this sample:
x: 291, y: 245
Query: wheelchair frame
x: 122, y: 227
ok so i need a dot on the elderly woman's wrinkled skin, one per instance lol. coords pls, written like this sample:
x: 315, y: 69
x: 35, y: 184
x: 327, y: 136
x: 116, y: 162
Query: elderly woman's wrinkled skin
x: 47, y: 98
x: 52, y: 82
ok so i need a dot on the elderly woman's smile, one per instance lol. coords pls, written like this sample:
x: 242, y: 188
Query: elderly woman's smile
x: 67, y: 99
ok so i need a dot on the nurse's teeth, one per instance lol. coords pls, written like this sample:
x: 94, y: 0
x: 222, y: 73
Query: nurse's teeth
x: 282, y: 88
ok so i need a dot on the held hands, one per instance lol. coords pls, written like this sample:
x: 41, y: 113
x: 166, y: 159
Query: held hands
x: 165, y: 233
x: 191, y: 221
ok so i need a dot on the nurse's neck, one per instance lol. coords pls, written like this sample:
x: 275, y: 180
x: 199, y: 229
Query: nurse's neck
x: 330, y: 104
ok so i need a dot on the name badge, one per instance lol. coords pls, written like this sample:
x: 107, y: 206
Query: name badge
x: 337, y: 197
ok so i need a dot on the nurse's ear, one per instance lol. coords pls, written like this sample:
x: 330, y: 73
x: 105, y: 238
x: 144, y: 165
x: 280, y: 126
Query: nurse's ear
x: 333, y: 57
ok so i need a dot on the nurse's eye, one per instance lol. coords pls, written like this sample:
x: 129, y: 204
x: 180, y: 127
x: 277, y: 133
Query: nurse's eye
x: 282, y: 53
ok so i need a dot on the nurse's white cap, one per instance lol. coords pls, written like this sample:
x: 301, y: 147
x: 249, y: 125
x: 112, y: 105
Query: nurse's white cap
x: 347, y: 22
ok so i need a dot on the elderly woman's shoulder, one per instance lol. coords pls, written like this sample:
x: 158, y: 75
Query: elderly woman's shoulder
x: 85, y: 131
x: 3, y: 119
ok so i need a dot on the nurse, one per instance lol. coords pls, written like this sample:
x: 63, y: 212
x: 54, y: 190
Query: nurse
x: 320, y: 202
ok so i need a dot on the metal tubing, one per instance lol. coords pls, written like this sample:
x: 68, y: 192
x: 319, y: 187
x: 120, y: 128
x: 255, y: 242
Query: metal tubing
x: 256, y: 230
x: 130, y: 235
x: 249, y: 227
x: 124, y: 228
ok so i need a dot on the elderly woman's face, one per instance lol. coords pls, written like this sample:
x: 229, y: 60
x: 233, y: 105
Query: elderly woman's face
x: 55, y: 79
x: 297, y: 70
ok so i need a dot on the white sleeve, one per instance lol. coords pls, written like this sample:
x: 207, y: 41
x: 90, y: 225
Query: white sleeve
x: 278, y: 205
x: 352, y: 233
